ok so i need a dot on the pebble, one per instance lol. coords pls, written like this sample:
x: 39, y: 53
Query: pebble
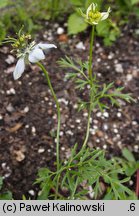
x: 92, y: 131
x: 134, y: 123
x: 31, y: 192
x: 131, y: 182
x: 49, y: 150
x: 75, y: 106
x: 10, y: 59
x: 60, y: 30
x: 50, y: 103
x: 33, y: 130
x: 3, y: 165
x: 61, y: 133
x: 129, y: 77
x: 119, y: 68
x: 69, y: 132
x: 95, y: 127
x: 11, y: 91
x: 63, y: 101
x: 110, y: 56
x: 99, y: 114
x: 80, y: 45
x: 115, y: 130
x: 26, y: 126
x: 105, y: 127
x: 106, y: 114
x: 136, y: 147
x: 41, y: 150
x: 119, y: 115
x: 85, y: 114
x: 98, y: 140
x: 104, y: 146
x: 46, y: 99
x: 26, y: 109
x: 98, y: 60
x: 1, y: 117
x: 10, y: 108
x: 63, y: 148
x: 78, y: 121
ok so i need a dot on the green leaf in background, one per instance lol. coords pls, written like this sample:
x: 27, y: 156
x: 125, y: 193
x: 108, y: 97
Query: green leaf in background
x: 76, y: 24
x: 3, y: 3
x: 6, y: 196
x: 76, y: 2
x: 134, y: 2
x: 128, y: 155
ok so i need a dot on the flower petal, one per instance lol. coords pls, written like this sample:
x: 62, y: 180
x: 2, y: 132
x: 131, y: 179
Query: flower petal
x: 36, y: 55
x: 19, y: 69
x: 88, y: 9
x: 104, y: 15
x: 46, y: 46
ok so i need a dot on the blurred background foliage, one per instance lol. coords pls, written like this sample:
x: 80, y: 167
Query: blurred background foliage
x: 33, y: 13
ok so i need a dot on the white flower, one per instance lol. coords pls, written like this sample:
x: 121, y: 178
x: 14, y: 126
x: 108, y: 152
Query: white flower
x: 33, y: 54
x: 93, y: 16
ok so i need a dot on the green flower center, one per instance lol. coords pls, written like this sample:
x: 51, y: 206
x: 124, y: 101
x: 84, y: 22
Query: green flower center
x: 94, y: 16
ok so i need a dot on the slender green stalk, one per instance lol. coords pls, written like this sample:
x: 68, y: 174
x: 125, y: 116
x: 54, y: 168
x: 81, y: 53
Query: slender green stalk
x: 91, y: 52
x: 91, y: 80
x: 58, y: 110
x: 89, y: 119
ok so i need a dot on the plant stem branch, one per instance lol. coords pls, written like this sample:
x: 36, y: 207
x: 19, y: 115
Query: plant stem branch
x: 91, y: 52
x: 91, y: 82
x: 58, y: 116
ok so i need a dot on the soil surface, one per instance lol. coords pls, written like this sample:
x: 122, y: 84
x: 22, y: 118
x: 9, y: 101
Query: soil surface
x: 28, y: 118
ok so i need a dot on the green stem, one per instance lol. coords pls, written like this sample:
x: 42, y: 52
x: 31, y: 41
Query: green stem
x: 89, y: 120
x: 58, y: 115
x: 91, y: 52
x: 91, y: 79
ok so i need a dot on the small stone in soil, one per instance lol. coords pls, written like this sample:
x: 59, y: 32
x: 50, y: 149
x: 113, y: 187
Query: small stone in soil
x: 26, y: 109
x: 134, y: 123
x: 106, y: 114
x: 11, y: 91
x: 31, y: 192
x: 41, y: 150
x: 105, y: 127
x: 115, y: 130
x: 78, y: 121
x: 63, y: 148
x: 61, y: 133
x: 129, y: 77
x: 85, y: 114
x: 99, y: 114
x: 104, y: 146
x: 80, y: 45
x: 119, y: 68
x: 33, y: 130
x: 119, y: 115
x: 60, y: 30
x: 10, y: 108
